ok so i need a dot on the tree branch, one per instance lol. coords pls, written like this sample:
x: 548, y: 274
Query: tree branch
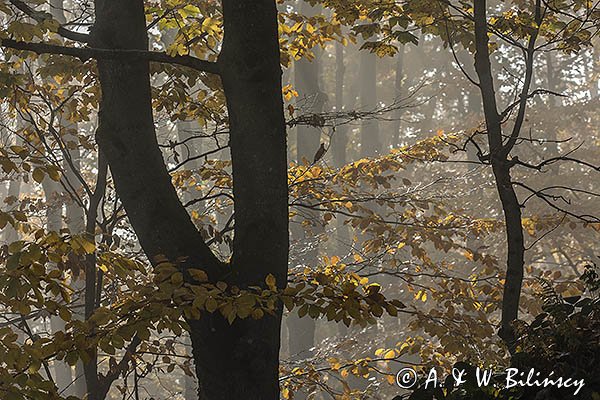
x: 107, y: 380
x: 536, y: 92
x: 41, y: 16
x: 85, y: 53
x: 529, y: 61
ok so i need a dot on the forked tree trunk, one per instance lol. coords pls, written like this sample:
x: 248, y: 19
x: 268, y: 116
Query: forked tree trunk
x: 501, y: 165
x: 237, y: 361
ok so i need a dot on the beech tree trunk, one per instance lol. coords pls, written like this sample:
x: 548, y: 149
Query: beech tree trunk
x: 10, y: 234
x: 399, y: 93
x: 339, y: 139
x: 52, y: 193
x: 75, y: 219
x: 247, y: 352
x: 301, y: 331
x: 237, y: 361
x: 370, y: 141
x: 501, y: 165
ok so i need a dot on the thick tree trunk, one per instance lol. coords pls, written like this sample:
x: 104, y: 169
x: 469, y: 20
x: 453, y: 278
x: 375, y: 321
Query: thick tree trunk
x: 127, y: 138
x: 239, y: 360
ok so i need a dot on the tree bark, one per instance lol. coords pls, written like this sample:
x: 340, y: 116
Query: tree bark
x: 339, y: 140
x: 54, y: 205
x: 301, y: 331
x: 501, y: 168
x: 10, y: 234
x: 238, y: 360
x: 75, y: 219
x: 399, y: 94
x: 370, y: 142
x: 246, y: 353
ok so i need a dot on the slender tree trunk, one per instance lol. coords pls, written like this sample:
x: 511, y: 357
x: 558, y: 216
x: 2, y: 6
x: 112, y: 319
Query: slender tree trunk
x: 553, y: 79
x: 592, y: 68
x: 54, y: 204
x: 185, y: 129
x: 339, y: 142
x: 75, y: 219
x: 501, y: 168
x: 339, y: 146
x: 301, y: 331
x: 65, y: 381
x: 399, y: 94
x: 10, y: 234
x: 370, y: 142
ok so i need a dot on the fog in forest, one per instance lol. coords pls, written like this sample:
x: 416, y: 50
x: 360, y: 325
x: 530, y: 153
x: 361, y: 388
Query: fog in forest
x: 298, y: 199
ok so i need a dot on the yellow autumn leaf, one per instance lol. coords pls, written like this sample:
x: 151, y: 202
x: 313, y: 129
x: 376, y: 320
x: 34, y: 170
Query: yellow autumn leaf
x: 390, y: 355
x: 211, y: 305
x: 270, y: 281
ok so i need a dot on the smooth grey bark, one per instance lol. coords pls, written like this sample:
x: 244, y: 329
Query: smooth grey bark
x: 301, y: 331
x: 370, y: 141
x: 9, y: 234
x: 54, y: 205
x: 339, y: 140
x: 65, y: 381
x: 185, y: 130
x: 399, y: 93
x: 75, y: 220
